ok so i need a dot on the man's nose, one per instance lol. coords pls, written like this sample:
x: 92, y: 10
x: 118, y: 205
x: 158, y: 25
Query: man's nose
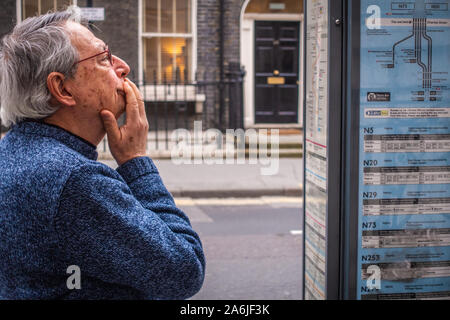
x: 121, y: 67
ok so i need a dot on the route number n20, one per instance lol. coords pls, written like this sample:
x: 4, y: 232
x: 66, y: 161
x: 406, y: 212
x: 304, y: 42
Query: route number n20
x: 370, y: 163
x: 373, y: 21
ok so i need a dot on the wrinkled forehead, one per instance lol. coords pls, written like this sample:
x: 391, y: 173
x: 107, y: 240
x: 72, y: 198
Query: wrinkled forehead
x: 83, y: 39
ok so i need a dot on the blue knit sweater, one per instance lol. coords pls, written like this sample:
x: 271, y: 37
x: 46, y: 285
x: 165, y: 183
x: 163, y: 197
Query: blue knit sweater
x: 60, y: 207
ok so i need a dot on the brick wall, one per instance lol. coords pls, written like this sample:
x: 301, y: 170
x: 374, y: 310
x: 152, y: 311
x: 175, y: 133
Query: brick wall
x: 208, y: 33
x: 208, y: 44
x: 232, y: 30
x: 119, y: 30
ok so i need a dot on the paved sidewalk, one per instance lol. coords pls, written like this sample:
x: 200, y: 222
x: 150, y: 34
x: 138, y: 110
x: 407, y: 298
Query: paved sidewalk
x: 229, y: 180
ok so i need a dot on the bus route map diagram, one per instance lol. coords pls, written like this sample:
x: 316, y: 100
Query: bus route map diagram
x: 406, y: 55
x: 419, y: 33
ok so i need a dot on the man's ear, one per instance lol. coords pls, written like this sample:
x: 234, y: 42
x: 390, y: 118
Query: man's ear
x: 59, y: 90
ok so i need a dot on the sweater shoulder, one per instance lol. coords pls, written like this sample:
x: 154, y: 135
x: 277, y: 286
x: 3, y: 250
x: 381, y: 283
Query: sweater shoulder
x: 38, y: 167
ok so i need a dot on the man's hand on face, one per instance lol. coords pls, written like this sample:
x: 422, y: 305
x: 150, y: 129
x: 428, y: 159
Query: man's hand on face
x: 130, y: 140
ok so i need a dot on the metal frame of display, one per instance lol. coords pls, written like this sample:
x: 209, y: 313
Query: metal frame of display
x: 349, y: 244
x: 334, y: 132
x: 342, y: 216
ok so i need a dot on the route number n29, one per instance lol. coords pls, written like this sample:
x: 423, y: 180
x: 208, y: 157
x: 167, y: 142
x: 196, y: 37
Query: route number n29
x: 373, y: 21
x: 369, y: 194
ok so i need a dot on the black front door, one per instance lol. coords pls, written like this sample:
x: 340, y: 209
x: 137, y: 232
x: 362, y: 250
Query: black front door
x: 276, y: 71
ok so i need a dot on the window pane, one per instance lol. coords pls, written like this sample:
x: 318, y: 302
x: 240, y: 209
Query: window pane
x: 183, y: 16
x: 175, y: 54
x: 167, y: 16
x: 167, y: 50
x: 46, y: 6
x: 151, y: 59
x: 172, y: 59
x: 174, y: 16
x: 150, y: 16
x: 30, y: 8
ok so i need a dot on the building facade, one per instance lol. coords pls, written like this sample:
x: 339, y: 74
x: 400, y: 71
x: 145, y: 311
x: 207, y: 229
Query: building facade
x: 182, y: 41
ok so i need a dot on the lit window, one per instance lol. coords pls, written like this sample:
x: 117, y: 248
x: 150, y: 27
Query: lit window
x: 31, y: 8
x: 167, y: 40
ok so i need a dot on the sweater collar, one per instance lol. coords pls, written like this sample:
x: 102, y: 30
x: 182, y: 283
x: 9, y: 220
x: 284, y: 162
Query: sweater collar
x: 71, y: 140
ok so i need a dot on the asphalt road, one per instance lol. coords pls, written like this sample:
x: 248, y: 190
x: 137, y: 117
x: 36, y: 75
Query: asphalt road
x: 253, y: 247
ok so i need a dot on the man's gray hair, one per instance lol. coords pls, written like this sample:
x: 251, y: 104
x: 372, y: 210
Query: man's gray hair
x: 35, y: 48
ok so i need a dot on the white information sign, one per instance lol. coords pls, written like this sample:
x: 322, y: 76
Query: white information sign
x: 316, y: 155
x: 93, y: 14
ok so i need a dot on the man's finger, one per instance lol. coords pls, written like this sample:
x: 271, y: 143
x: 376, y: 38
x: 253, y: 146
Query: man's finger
x: 131, y: 108
x: 134, y: 87
x: 139, y: 97
x: 110, y: 124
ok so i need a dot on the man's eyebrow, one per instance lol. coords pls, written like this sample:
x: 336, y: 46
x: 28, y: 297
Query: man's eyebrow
x: 102, y: 46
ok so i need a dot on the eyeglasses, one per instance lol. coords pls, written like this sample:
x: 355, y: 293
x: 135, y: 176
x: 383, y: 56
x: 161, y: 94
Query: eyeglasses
x: 109, y: 57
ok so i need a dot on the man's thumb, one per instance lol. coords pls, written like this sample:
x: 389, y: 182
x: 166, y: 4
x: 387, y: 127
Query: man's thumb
x: 110, y: 124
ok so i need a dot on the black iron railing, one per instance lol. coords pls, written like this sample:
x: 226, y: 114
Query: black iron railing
x: 177, y: 104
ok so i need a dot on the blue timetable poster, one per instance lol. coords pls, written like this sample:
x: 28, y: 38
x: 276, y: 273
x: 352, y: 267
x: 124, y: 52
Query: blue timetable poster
x: 404, y: 170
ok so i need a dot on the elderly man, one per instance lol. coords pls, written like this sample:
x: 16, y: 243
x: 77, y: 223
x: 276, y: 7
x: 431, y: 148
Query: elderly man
x: 71, y: 227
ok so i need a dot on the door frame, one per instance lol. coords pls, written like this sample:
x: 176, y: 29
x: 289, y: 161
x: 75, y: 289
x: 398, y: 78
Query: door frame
x: 247, y: 36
